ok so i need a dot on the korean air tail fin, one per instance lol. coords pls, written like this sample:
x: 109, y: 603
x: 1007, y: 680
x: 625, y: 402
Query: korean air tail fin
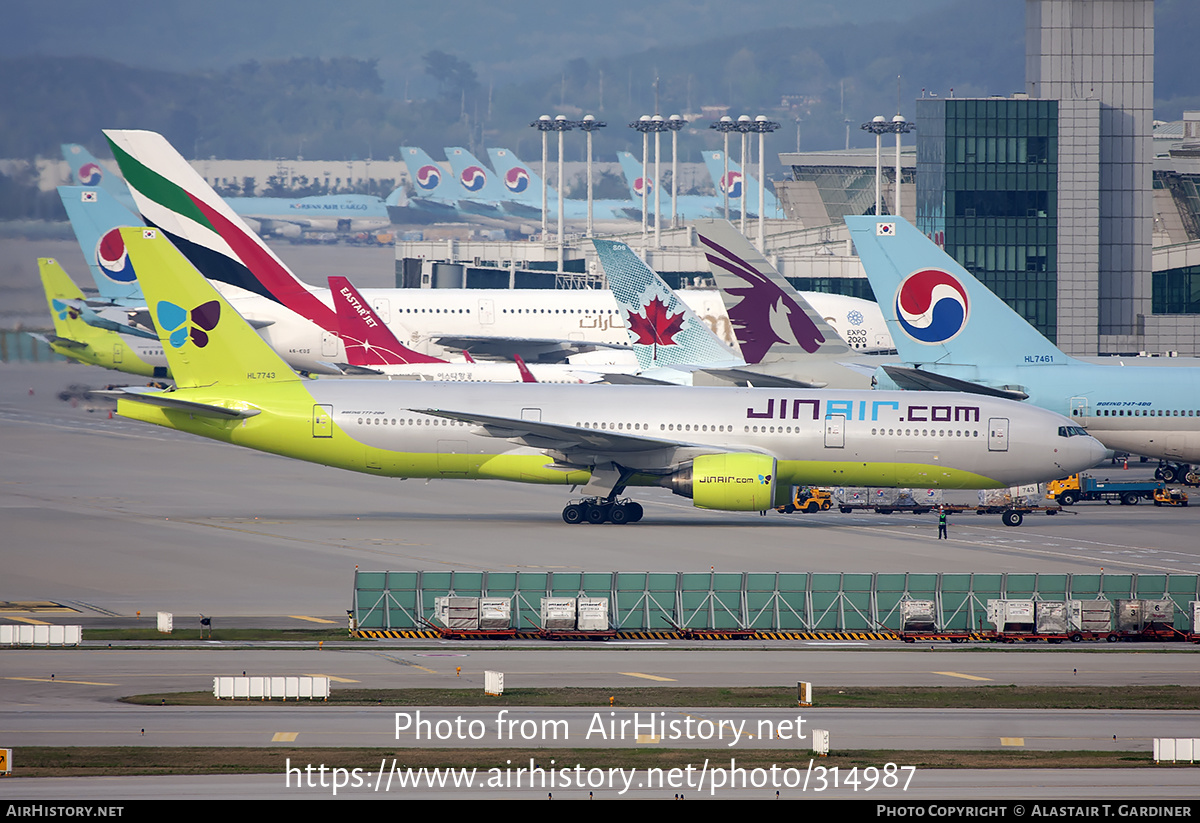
x: 477, y: 181
x: 87, y: 171
x: 172, y: 196
x: 631, y: 167
x: 368, y: 341
x: 770, y: 319
x: 738, y: 183
x: 205, y: 341
x: 95, y: 217
x: 936, y: 311
x: 519, y: 178
x: 430, y: 180
x: 662, y: 329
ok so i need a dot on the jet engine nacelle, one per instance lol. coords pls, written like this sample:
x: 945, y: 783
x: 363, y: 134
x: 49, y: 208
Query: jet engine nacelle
x: 729, y: 482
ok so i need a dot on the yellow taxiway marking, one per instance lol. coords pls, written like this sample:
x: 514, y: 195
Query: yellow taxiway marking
x: 648, y: 676
x: 49, y: 680
x: 285, y: 737
x: 1012, y: 741
x: 311, y: 619
x: 963, y: 676
x: 422, y: 668
x: 648, y: 738
x: 334, y: 679
x: 29, y: 620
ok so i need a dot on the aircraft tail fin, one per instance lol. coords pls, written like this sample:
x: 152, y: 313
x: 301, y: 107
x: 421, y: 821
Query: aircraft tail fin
x: 519, y: 178
x: 662, y: 329
x: 64, y: 297
x: 770, y: 319
x: 368, y: 341
x: 95, y: 217
x: 935, y: 309
x: 526, y: 374
x: 479, y: 182
x: 430, y: 180
x: 86, y: 170
x: 205, y: 341
x: 738, y: 183
x: 172, y: 196
x: 631, y: 167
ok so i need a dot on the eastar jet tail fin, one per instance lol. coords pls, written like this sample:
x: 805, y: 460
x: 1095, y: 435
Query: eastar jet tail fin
x: 526, y: 374
x: 206, y: 342
x: 662, y: 329
x: 95, y: 217
x: 935, y: 309
x: 770, y: 319
x: 368, y: 341
x: 173, y: 197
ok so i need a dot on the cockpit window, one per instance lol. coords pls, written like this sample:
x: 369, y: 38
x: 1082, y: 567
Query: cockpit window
x: 1071, y: 431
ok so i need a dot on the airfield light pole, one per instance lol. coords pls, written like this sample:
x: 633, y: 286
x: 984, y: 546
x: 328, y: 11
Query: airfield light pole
x: 762, y: 126
x: 660, y: 125
x: 561, y: 124
x: 725, y: 125
x: 644, y: 125
x: 744, y: 126
x: 900, y: 126
x: 545, y: 125
x: 878, y: 127
x: 675, y: 122
x: 589, y: 124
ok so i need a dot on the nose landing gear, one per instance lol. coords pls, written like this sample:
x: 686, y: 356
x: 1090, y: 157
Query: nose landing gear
x: 597, y: 510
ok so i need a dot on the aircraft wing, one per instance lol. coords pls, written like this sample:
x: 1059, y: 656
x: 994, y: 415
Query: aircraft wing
x: 531, y: 348
x: 759, y: 380
x: 155, y: 397
x: 918, y: 380
x: 575, y: 446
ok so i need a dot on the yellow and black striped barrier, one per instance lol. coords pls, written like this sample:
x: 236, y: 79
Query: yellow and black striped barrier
x: 708, y: 634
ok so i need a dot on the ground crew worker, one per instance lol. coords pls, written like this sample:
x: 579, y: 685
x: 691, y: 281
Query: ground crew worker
x: 942, y: 524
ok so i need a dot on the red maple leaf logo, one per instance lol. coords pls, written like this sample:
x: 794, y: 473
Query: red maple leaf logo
x: 656, y: 326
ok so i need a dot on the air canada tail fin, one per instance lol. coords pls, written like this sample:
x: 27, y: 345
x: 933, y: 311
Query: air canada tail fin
x: 522, y: 182
x: 935, y: 309
x: 95, y: 217
x: 173, y: 197
x: 770, y: 319
x: 663, y: 331
x: 368, y: 341
x: 206, y: 342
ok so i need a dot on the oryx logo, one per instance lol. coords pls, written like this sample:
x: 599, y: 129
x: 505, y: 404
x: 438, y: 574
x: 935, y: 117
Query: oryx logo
x: 731, y: 183
x: 428, y: 177
x: 112, y: 258
x: 932, y: 306
x: 90, y: 174
x: 516, y: 180
x: 473, y: 178
x: 180, y: 324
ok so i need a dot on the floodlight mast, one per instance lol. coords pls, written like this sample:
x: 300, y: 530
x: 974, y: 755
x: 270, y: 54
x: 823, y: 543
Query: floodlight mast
x: 589, y: 124
x: 675, y: 122
x: 725, y: 125
x: 762, y: 126
x: 545, y: 125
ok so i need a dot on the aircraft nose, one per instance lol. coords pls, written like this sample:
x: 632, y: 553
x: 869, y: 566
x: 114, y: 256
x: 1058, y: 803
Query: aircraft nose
x: 1088, y: 451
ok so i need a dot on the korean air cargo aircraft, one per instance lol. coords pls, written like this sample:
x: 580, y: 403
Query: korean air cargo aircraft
x: 740, y: 186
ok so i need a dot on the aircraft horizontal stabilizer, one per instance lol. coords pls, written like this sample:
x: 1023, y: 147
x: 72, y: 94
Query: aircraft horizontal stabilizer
x: 65, y: 342
x: 154, y: 397
x: 918, y: 380
x: 759, y: 380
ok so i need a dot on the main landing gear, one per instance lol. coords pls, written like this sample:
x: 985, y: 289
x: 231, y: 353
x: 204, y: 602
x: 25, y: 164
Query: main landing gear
x: 1177, y: 473
x: 597, y: 510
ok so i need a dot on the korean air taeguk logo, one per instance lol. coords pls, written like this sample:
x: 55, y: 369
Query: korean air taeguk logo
x: 932, y: 306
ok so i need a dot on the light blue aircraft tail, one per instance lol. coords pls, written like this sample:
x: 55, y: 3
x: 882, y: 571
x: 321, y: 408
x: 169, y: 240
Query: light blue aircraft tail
x: 662, y: 329
x: 430, y: 180
x: 738, y: 184
x: 86, y: 170
x: 478, y: 182
x: 521, y: 182
x: 936, y: 311
x: 631, y: 167
x: 96, y: 216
